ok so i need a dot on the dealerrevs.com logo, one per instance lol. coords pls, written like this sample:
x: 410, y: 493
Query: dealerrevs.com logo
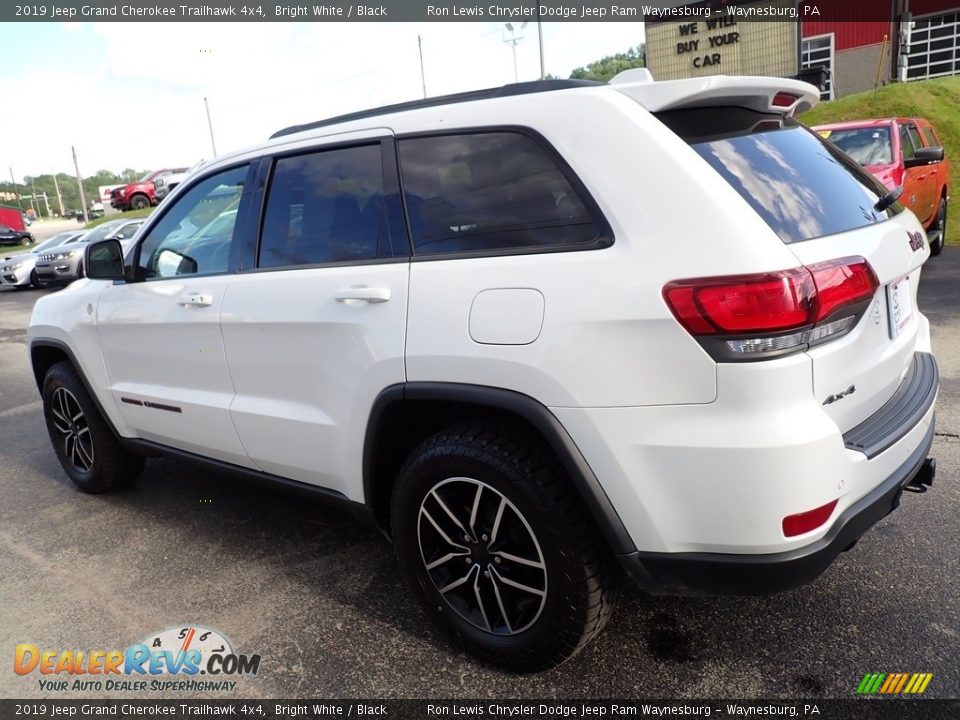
x: 171, y: 659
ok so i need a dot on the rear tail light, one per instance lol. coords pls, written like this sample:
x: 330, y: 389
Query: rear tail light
x: 784, y: 99
x: 804, y: 522
x: 751, y: 317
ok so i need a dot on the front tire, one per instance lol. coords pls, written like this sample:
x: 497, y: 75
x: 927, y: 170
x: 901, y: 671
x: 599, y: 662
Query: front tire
x: 92, y: 457
x: 35, y: 280
x: 138, y: 202
x: 494, y: 541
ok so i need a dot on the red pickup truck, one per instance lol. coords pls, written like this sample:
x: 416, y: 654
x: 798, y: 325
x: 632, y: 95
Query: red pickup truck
x: 140, y: 194
x: 902, y: 152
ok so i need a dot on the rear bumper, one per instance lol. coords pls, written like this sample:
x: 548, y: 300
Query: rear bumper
x: 735, y: 574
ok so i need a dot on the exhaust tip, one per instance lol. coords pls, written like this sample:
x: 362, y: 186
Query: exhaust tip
x: 924, y: 477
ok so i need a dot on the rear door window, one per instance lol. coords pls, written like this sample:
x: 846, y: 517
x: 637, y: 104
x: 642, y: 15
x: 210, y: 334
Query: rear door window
x: 801, y: 185
x: 491, y: 192
x: 325, y: 207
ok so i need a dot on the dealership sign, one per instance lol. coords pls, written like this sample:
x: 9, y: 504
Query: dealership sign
x: 722, y: 45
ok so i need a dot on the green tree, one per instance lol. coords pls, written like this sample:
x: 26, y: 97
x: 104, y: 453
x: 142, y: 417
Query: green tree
x: 609, y: 66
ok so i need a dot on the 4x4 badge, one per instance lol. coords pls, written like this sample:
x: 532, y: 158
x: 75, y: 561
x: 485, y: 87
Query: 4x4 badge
x: 840, y: 395
x: 916, y: 240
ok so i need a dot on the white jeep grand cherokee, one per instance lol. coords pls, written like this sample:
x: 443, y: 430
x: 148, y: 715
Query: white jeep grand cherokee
x: 538, y: 334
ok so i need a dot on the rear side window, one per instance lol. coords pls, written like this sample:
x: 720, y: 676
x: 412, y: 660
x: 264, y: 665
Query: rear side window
x: 487, y: 192
x: 324, y: 207
x: 802, y: 186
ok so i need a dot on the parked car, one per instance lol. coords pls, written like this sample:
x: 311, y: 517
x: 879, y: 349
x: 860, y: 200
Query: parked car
x: 11, y: 236
x: 63, y: 265
x: 165, y: 183
x: 142, y: 193
x: 20, y: 270
x: 902, y: 152
x: 466, y: 320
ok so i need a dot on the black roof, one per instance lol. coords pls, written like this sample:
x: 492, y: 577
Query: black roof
x: 524, y: 88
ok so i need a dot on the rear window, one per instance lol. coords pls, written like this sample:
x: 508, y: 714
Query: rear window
x: 802, y: 186
x: 867, y: 145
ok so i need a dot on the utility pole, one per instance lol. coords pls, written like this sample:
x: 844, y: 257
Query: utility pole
x: 16, y: 189
x: 210, y: 125
x: 33, y: 196
x: 56, y: 186
x: 543, y: 70
x: 47, y: 203
x: 83, y: 198
x: 423, y: 77
x: 513, y: 41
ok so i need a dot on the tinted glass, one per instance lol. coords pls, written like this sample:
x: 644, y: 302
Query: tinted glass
x: 931, y: 137
x: 127, y: 231
x: 489, y: 191
x: 324, y: 207
x: 102, y: 231
x: 194, y: 236
x: 868, y: 145
x: 915, y: 136
x: 58, y: 239
x: 906, y: 143
x: 802, y: 186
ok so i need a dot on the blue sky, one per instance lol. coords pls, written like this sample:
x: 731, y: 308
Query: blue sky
x: 131, y: 94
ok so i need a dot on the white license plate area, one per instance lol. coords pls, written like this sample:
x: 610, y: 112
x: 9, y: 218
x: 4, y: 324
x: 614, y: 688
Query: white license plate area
x: 900, y: 306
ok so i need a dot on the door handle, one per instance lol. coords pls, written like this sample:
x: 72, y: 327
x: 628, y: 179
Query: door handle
x: 364, y: 294
x: 195, y: 299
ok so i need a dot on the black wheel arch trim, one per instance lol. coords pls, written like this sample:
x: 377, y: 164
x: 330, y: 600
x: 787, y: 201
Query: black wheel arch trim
x: 65, y: 349
x: 524, y: 406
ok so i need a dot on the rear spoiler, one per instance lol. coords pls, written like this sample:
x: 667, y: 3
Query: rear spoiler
x: 763, y: 94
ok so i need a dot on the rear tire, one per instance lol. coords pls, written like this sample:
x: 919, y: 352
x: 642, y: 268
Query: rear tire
x: 525, y: 592
x: 936, y: 247
x: 85, y: 445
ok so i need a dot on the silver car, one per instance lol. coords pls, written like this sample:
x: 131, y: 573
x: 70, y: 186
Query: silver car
x: 64, y: 265
x: 19, y: 270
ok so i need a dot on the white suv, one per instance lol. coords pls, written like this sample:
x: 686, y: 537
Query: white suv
x: 537, y: 334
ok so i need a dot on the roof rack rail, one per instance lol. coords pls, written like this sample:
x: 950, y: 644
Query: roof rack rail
x: 524, y: 88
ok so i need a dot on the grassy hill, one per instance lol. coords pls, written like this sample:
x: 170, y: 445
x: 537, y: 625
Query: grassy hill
x: 937, y: 100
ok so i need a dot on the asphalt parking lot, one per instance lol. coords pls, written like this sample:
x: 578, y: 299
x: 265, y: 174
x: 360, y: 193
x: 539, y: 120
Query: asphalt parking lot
x: 320, y: 597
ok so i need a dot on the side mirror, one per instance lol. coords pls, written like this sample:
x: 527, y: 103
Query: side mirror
x: 104, y: 260
x: 925, y: 156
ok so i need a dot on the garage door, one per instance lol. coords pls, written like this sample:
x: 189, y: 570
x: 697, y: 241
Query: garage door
x: 934, y: 49
x: 818, y: 52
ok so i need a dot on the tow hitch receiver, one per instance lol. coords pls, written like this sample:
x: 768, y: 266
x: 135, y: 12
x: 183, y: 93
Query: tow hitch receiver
x: 924, y: 477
